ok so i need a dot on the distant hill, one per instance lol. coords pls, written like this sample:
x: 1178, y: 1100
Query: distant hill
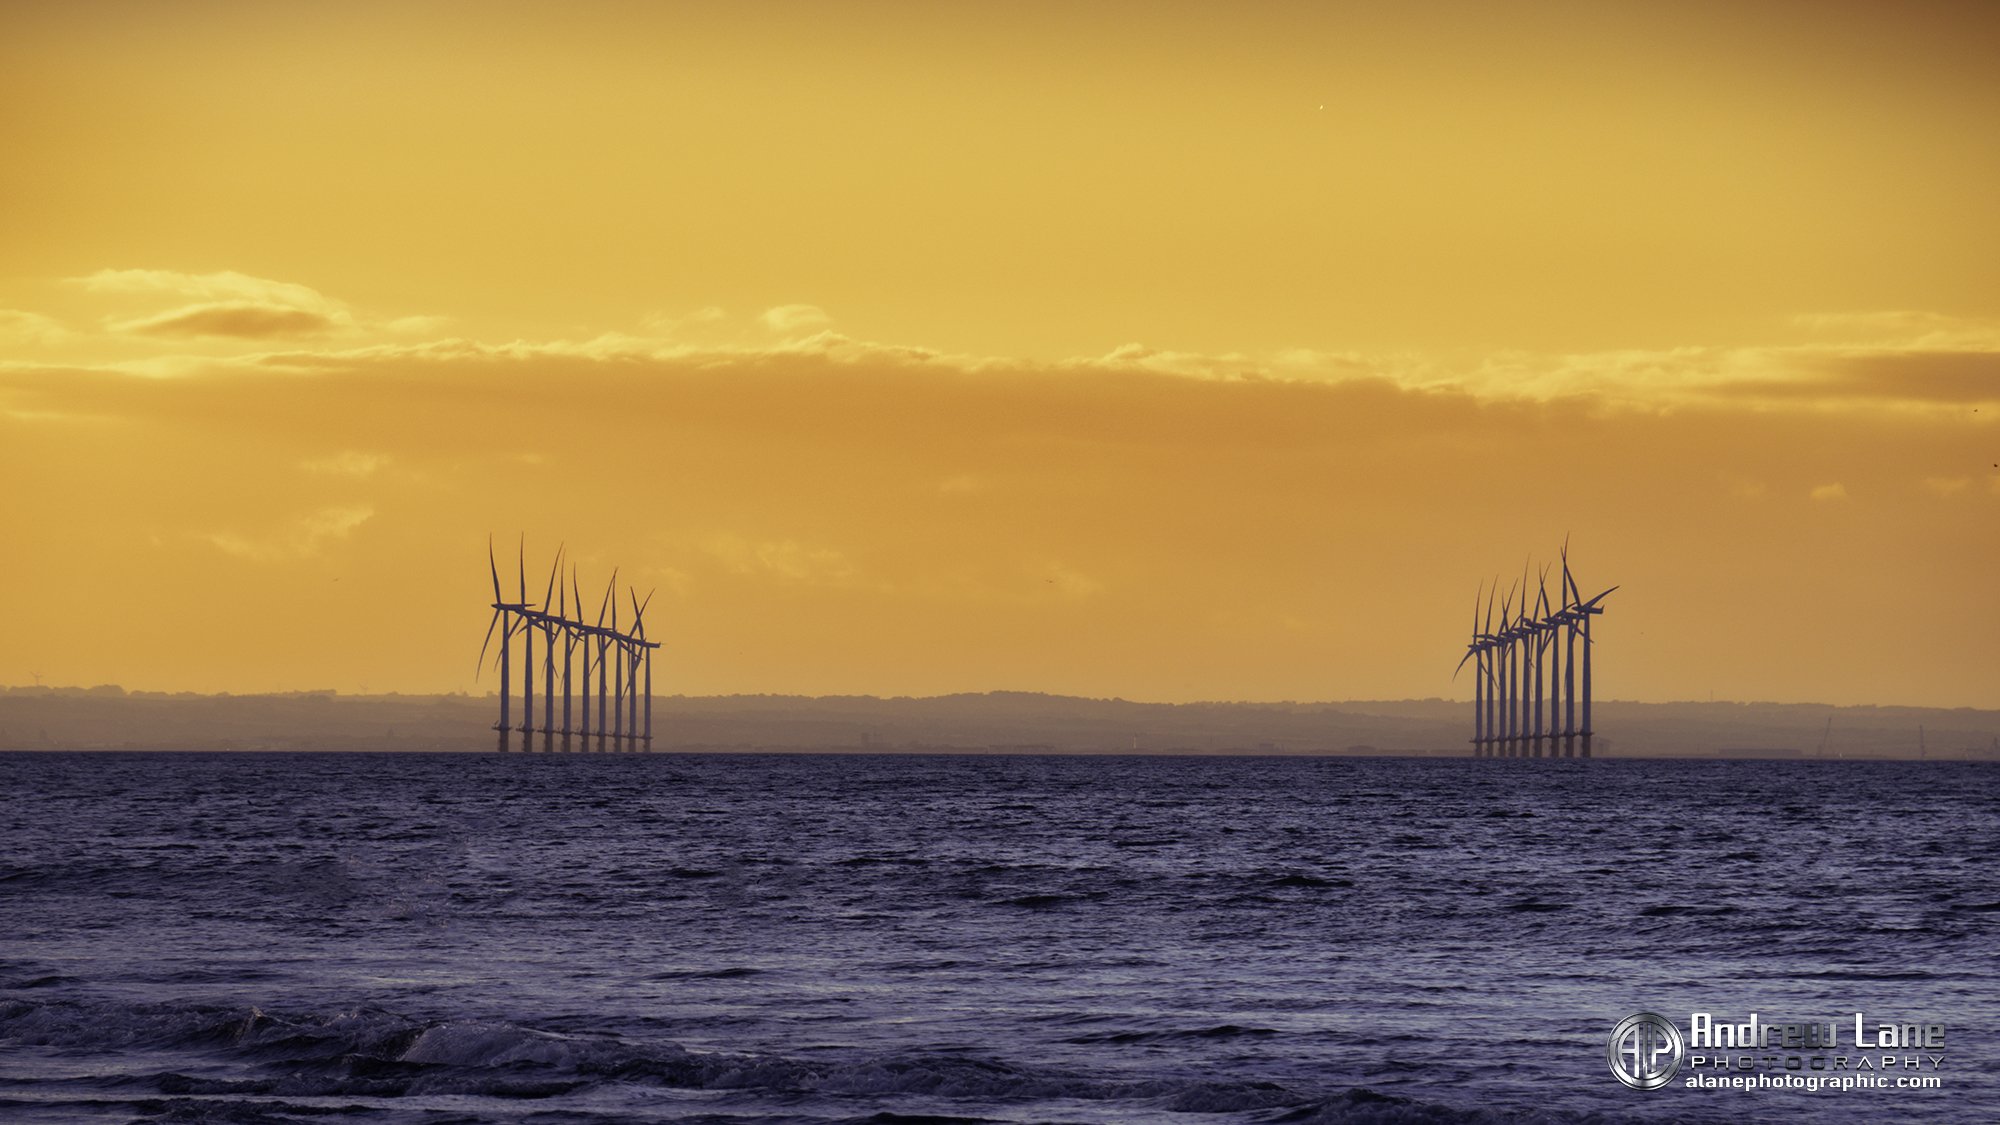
x: 1022, y: 722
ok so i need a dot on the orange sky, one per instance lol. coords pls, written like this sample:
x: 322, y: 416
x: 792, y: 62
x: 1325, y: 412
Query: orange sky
x: 1165, y: 351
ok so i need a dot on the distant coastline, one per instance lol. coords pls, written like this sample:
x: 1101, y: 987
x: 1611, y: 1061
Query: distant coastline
x: 110, y: 718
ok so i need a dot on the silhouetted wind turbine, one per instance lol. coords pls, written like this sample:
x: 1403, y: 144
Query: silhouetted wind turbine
x: 618, y: 686
x: 1491, y: 657
x: 568, y: 629
x: 527, y: 653
x: 603, y: 645
x: 645, y: 654
x: 575, y: 633
x: 1582, y: 611
x: 503, y: 617
x: 1568, y: 690
x: 1538, y: 645
x: 1509, y: 674
x: 550, y: 625
x: 1475, y: 651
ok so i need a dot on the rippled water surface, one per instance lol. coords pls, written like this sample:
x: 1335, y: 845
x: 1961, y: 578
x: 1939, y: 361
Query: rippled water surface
x: 444, y: 938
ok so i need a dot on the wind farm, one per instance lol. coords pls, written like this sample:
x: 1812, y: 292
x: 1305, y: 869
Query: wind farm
x: 1525, y: 674
x: 622, y: 659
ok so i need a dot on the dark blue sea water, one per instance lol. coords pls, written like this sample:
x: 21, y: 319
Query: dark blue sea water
x: 448, y: 938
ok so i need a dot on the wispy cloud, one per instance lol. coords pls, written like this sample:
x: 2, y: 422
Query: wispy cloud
x: 304, y: 536
x: 18, y: 326
x: 244, y: 322
x: 793, y: 319
x: 225, y: 287
x: 785, y: 559
x: 1903, y: 360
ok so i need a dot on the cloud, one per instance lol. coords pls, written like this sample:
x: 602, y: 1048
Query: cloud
x: 244, y: 322
x: 1904, y: 325
x: 1948, y: 376
x: 791, y: 320
x: 785, y: 559
x: 803, y: 489
x: 18, y: 326
x: 1829, y: 492
x: 303, y: 537
x: 230, y: 305
x: 225, y: 287
x: 1911, y: 360
x: 662, y: 324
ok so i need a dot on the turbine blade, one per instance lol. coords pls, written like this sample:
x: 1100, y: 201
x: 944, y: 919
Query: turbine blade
x: 494, y: 569
x: 522, y: 562
x: 549, y: 592
x: 490, y: 624
x: 607, y: 598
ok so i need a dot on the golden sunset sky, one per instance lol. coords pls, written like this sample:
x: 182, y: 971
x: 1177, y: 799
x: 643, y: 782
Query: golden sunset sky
x: 1167, y: 351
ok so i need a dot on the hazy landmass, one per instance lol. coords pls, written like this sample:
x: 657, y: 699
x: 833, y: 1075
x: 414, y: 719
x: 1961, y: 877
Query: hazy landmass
x: 109, y: 718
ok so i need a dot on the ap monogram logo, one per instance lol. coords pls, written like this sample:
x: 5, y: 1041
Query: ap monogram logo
x: 1645, y: 1051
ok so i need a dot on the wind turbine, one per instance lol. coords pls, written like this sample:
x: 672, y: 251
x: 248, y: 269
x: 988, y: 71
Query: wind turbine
x: 503, y: 618
x: 528, y: 615
x: 619, y: 685
x: 569, y: 649
x: 580, y: 636
x: 1568, y: 689
x: 1509, y: 675
x: 550, y: 625
x: 1582, y: 611
x: 645, y: 653
x: 1540, y: 644
x: 1476, y: 648
x: 1493, y: 671
x: 603, y: 643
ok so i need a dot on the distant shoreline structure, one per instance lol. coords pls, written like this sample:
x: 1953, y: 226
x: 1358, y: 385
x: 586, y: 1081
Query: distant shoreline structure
x: 110, y: 718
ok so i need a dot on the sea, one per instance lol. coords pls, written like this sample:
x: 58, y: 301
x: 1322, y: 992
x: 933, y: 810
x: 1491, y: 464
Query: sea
x: 441, y: 938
